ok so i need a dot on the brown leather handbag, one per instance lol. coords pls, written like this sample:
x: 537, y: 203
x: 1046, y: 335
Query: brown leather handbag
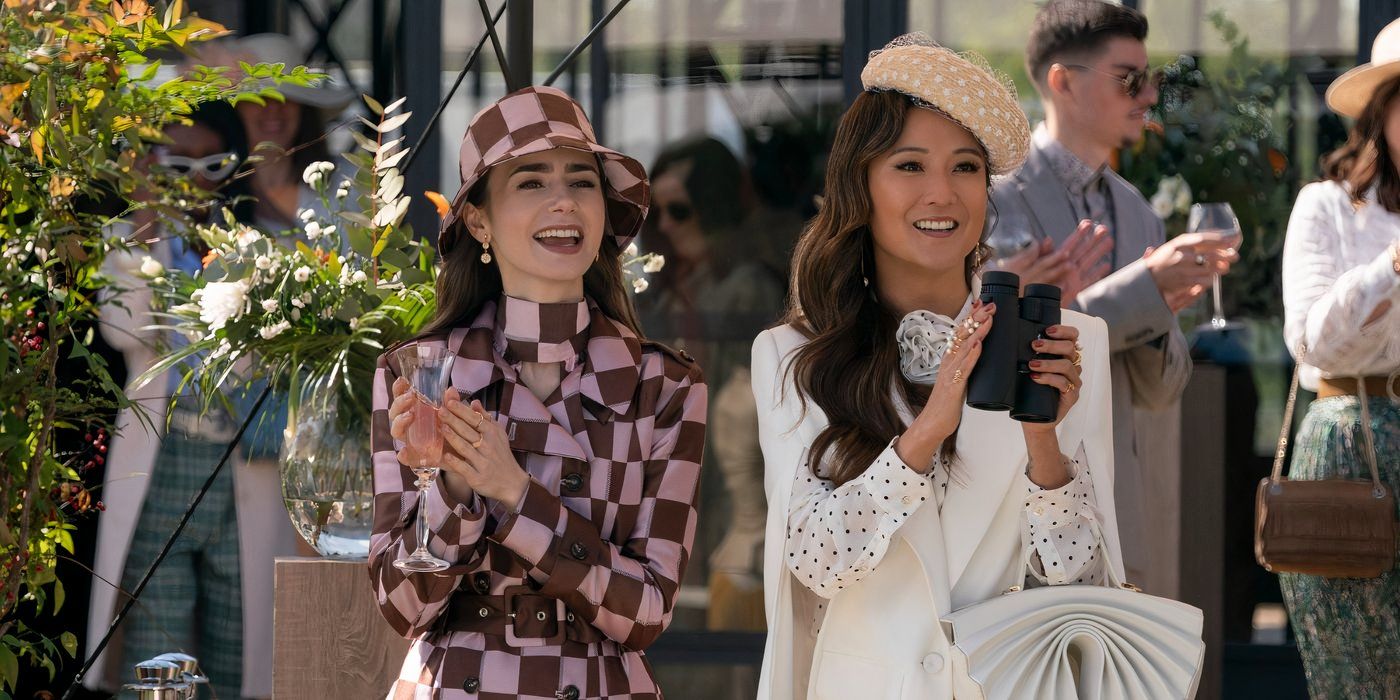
x: 1337, y: 528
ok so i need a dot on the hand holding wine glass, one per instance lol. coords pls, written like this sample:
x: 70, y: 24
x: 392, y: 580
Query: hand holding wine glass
x: 425, y: 373
x: 1216, y: 220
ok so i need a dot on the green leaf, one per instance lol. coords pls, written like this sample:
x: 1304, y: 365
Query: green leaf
x: 356, y: 217
x: 9, y: 666
x: 70, y: 643
x: 365, y: 142
x: 59, y: 595
x: 360, y: 240
x: 374, y: 105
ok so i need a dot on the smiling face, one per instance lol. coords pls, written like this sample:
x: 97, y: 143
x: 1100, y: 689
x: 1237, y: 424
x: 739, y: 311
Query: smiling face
x: 545, y: 216
x: 275, y: 121
x: 929, y: 200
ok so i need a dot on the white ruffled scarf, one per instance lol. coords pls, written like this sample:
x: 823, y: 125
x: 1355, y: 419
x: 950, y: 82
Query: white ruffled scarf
x: 924, y: 337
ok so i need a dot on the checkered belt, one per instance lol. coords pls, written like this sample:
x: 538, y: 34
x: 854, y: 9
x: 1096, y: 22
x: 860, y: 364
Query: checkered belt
x: 523, y: 617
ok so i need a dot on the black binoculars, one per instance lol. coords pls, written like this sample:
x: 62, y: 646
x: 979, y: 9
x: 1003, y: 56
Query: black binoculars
x: 1001, y: 380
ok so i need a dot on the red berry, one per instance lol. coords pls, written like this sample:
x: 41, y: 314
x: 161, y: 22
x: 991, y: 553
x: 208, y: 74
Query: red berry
x: 90, y: 464
x: 102, y: 449
x: 40, y: 326
x: 101, y: 506
x: 38, y: 568
x: 29, y: 313
x: 87, y: 437
x: 99, y: 459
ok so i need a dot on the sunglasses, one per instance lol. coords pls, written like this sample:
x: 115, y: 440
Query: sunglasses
x: 679, y: 212
x: 213, y: 167
x: 1134, y: 82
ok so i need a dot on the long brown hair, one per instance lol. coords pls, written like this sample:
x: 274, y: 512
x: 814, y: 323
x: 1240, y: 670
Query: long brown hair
x: 1365, y: 160
x: 464, y: 283
x: 850, y: 360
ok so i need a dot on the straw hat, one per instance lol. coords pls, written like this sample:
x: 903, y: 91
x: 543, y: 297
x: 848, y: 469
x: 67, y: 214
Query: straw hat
x: 535, y: 119
x: 962, y: 86
x: 280, y: 48
x: 1349, y: 93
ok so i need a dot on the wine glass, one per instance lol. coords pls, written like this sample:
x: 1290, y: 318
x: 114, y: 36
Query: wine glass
x: 1216, y: 220
x: 429, y: 371
x: 1011, y: 235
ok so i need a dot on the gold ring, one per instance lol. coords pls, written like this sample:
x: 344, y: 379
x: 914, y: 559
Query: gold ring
x: 477, y: 445
x: 479, y: 419
x: 972, y: 325
x: 957, y: 376
x: 1078, y: 357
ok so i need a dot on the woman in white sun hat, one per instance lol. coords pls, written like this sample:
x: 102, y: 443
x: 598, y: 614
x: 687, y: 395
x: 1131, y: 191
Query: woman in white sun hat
x: 890, y: 502
x: 1341, y: 299
x: 298, y: 123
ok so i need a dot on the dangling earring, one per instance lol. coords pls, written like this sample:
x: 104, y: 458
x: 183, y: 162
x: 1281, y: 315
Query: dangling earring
x: 486, y: 250
x: 864, y: 280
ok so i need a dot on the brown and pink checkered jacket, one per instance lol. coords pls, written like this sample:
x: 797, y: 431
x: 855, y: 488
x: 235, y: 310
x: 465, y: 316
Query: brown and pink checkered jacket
x: 559, y: 599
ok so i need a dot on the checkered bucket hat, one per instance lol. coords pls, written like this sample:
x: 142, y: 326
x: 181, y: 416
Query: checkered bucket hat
x: 535, y: 119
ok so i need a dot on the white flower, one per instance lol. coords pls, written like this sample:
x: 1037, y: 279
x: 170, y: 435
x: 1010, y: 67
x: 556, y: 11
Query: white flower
x: 359, y: 277
x: 159, y: 281
x: 639, y: 285
x: 328, y: 231
x: 150, y: 267
x: 270, y: 305
x: 305, y: 297
x: 655, y: 264
x: 297, y: 302
x: 296, y: 314
x: 344, y: 190
x: 262, y: 262
x: 631, y: 251
x: 327, y: 312
x: 248, y: 236
x: 1183, y: 198
x: 306, y: 214
x: 315, y: 173
x: 354, y: 323
x: 1162, y: 205
x: 221, y: 302
x: 302, y: 274
x: 272, y: 331
x: 313, y: 230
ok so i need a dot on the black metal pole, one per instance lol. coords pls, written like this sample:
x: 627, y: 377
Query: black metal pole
x: 599, y: 77
x: 587, y: 39
x: 169, y: 543
x: 520, y: 43
x: 462, y: 74
x: 496, y: 44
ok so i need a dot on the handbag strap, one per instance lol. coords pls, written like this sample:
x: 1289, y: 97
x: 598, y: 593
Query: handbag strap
x: 1286, y: 429
x: 1111, y: 579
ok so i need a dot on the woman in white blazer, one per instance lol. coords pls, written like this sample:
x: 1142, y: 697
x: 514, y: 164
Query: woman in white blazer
x: 891, y: 503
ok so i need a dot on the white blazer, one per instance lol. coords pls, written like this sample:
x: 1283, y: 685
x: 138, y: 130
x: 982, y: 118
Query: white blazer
x: 880, y: 637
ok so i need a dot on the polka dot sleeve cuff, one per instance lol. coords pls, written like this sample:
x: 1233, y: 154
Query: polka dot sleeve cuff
x: 837, y: 535
x: 1060, y: 527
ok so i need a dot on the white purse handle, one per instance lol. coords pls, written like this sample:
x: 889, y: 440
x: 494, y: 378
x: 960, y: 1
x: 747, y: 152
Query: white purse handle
x: 1111, y: 579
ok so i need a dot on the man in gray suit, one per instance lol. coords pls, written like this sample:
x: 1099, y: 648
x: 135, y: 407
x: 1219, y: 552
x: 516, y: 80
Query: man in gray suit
x: 1093, y: 234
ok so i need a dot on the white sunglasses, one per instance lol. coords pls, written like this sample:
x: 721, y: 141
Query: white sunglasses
x: 213, y: 167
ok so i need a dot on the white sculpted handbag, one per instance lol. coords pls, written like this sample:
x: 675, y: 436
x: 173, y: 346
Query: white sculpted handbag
x: 1076, y: 642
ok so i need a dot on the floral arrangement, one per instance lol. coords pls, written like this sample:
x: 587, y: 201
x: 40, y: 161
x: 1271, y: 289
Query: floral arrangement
x: 309, y: 310
x: 1173, y: 197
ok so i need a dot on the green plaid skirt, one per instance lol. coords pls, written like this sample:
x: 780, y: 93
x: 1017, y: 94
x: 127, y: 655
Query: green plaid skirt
x: 194, y: 602
x: 1348, y: 630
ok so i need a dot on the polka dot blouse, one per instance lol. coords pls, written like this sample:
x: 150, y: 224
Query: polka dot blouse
x: 838, y: 534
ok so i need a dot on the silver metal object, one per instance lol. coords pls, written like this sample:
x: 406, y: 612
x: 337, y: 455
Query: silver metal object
x: 172, y: 676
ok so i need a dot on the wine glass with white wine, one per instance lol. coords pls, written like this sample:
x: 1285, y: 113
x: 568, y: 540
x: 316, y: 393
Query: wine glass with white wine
x: 429, y: 371
x: 1216, y: 220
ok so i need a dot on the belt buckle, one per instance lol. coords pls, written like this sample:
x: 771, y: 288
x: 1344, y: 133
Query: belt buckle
x: 510, y: 594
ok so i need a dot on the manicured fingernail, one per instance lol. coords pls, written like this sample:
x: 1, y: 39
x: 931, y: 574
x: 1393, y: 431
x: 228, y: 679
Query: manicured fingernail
x: 1037, y: 364
x: 1035, y: 375
x: 1038, y: 344
x: 1052, y: 329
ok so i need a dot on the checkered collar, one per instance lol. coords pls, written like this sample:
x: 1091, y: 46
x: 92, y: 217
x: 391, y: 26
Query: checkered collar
x: 529, y: 331
x: 576, y: 333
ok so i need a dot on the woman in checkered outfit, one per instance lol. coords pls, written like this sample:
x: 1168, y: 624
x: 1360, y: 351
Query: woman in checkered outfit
x: 566, y: 500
